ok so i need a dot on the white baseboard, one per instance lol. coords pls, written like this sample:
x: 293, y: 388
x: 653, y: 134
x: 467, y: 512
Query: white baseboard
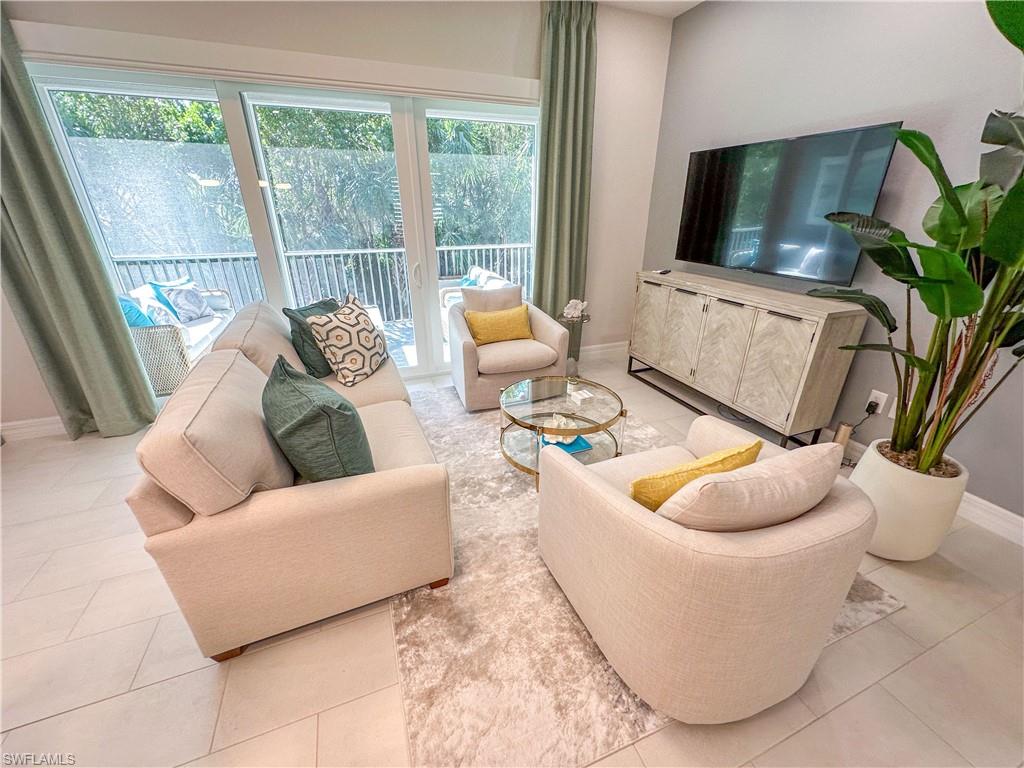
x: 992, y: 517
x: 975, y: 509
x: 603, y: 350
x: 30, y: 428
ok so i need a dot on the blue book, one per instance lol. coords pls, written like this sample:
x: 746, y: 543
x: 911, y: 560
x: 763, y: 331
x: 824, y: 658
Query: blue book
x: 579, y: 445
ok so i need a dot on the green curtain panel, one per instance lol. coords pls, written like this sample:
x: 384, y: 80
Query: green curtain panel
x: 567, y: 76
x: 53, y: 278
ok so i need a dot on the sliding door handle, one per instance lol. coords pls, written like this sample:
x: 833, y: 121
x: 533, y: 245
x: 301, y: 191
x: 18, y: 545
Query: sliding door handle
x: 417, y: 278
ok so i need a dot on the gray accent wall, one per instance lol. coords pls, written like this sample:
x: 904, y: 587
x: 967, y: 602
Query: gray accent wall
x: 741, y: 72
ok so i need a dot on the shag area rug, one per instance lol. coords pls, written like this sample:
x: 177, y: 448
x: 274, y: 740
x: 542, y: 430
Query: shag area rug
x: 496, y: 668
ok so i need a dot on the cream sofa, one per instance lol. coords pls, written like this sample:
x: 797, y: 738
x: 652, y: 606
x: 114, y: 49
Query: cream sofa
x: 480, y: 373
x: 708, y: 627
x: 247, y: 552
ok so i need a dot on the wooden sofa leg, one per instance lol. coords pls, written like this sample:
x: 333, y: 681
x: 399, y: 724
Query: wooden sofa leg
x: 229, y: 654
x: 438, y: 584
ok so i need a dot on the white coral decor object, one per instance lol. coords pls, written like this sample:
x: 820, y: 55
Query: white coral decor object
x: 558, y: 421
x: 574, y: 309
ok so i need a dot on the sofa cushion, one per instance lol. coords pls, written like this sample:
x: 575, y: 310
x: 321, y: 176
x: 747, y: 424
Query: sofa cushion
x: 654, y: 490
x: 492, y: 299
x: 385, y: 384
x: 395, y: 436
x: 209, y: 447
x: 317, y: 429
x: 623, y: 470
x: 518, y: 355
x: 765, y: 493
x: 261, y: 333
x: 302, y: 336
x: 156, y: 510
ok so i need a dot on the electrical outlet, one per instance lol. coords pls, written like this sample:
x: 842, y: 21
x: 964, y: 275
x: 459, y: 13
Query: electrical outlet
x: 877, y: 397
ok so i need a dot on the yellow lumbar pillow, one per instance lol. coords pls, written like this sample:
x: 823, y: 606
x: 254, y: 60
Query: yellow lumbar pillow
x: 503, y: 325
x: 654, y: 490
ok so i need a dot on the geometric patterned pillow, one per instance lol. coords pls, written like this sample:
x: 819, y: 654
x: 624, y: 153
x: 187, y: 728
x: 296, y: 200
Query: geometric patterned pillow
x: 188, y: 303
x: 350, y: 341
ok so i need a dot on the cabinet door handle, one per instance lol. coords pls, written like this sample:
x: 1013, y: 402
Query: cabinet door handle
x: 683, y: 290
x: 734, y: 303
x: 651, y: 282
x: 784, y: 315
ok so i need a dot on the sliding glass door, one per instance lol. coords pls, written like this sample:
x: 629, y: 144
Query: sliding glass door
x: 297, y: 194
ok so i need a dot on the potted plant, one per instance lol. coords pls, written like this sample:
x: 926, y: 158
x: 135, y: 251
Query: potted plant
x: 971, y: 281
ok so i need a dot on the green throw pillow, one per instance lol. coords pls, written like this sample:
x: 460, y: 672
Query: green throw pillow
x: 317, y: 429
x: 302, y: 336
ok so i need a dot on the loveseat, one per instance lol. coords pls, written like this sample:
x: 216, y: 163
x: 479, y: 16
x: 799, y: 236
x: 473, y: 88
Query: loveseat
x: 246, y: 550
x: 708, y: 626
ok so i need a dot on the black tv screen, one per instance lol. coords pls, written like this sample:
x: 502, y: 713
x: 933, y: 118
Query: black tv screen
x: 761, y: 207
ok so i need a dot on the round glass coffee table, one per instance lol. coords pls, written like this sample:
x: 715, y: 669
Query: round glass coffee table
x: 577, y: 413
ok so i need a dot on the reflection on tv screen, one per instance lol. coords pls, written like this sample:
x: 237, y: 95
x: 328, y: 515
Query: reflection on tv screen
x: 761, y: 207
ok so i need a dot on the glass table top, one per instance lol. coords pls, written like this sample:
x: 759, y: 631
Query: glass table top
x: 531, y: 403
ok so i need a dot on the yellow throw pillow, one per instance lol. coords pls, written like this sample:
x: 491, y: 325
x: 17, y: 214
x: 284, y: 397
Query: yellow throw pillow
x: 503, y: 325
x: 654, y: 490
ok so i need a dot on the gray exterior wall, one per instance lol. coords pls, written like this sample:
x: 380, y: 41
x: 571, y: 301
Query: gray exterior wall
x: 741, y: 72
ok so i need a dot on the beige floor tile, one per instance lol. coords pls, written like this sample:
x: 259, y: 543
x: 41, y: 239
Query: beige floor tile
x: 162, y: 725
x: 117, y: 490
x: 729, y: 744
x: 368, y: 731
x: 968, y: 690
x: 172, y: 652
x: 18, y: 572
x: 872, y: 729
x: 293, y: 680
x: 993, y: 559
x: 69, y: 530
x: 284, y: 637
x: 668, y: 431
x: 940, y: 597
x: 22, y: 475
x: 856, y: 662
x: 49, y: 500
x: 381, y: 606
x: 624, y: 758
x: 86, y: 563
x: 682, y: 423
x: 101, y: 467
x: 292, y: 746
x: 125, y: 600
x: 52, y: 680
x: 1006, y: 624
x: 39, y: 622
x: 870, y: 563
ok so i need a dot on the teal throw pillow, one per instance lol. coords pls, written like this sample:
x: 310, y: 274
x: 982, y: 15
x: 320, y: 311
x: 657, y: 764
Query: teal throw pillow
x: 317, y: 429
x: 133, y: 314
x: 302, y: 336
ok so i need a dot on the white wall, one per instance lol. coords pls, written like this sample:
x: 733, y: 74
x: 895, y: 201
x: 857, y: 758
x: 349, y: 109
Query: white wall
x: 632, y: 57
x: 741, y: 72
x: 22, y: 392
x: 493, y: 37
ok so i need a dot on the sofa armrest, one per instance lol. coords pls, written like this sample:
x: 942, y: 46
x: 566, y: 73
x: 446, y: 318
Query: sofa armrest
x: 709, y: 434
x: 549, y: 331
x: 290, y: 556
x: 463, y: 348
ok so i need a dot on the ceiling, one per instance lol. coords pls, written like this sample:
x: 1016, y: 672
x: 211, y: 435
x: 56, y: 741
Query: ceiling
x: 667, y: 8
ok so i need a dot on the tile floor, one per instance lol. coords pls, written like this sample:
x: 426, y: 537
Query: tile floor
x: 97, y: 661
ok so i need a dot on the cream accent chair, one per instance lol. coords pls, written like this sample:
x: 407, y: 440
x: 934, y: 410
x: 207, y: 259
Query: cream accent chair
x: 246, y: 550
x: 481, y: 372
x: 708, y: 627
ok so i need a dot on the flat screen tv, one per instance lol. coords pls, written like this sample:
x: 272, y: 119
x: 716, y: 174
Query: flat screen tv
x: 761, y: 207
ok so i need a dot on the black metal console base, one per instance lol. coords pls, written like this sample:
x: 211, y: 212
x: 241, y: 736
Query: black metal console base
x: 635, y: 373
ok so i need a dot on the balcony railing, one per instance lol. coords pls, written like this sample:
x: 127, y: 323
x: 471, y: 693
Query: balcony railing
x: 377, y: 276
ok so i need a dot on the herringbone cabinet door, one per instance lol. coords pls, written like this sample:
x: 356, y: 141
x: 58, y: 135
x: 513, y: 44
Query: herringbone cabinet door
x: 775, y: 364
x: 722, y: 348
x: 682, y: 332
x: 649, y: 321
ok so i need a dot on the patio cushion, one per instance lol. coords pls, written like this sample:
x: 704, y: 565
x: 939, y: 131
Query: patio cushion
x: 210, y: 448
x: 386, y: 384
x: 261, y: 333
x: 199, y: 333
x: 518, y: 355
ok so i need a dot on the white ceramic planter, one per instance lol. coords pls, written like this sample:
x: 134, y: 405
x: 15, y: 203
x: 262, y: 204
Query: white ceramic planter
x: 915, y: 511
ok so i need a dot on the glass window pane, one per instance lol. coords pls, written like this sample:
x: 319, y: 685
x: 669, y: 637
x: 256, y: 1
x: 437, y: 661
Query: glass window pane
x: 162, y: 188
x: 482, y: 173
x: 333, y: 186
